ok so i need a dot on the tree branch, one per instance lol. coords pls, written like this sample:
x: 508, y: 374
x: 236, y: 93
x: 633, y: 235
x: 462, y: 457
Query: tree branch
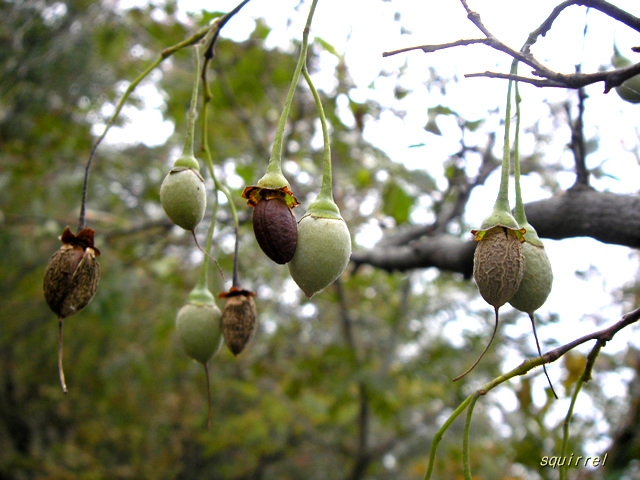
x: 577, y: 212
x: 541, y: 75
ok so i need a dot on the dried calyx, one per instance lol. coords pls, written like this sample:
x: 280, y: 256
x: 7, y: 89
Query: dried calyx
x: 71, y: 280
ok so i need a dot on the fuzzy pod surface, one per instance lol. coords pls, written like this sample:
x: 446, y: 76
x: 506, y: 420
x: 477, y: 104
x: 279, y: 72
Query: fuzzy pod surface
x: 239, y: 319
x: 275, y: 228
x: 323, y: 252
x: 72, y: 275
x: 183, y: 197
x: 199, y: 330
x: 498, y: 265
x: 537, y: 280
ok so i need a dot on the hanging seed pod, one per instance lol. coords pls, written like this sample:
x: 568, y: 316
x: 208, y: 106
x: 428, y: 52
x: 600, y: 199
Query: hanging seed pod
x: 324, y: 247
x: 275, y: 229
x: 71, y: 280
x: 274, y: 224
x: 198, y: 326
x: 239, y: 318
x: 72, y: 275
x: 183, y: 196
x: 537, y: 280
x: 498, y: 265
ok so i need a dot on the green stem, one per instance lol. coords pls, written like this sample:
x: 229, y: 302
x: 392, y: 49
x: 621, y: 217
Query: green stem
x: 166, y: 53
x: 326, y: 189
x: 502, y: 202
x: 584, y: 378
x: 191, y: 115
x: 207, y: 97
x: 440, y: 433
x: 275, y: 162
x: 466, y: 460
x: 519, y: 213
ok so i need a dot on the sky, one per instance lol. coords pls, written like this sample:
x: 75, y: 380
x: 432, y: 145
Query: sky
x: 585, y: 271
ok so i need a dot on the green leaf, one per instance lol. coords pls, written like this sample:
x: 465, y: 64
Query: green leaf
x: 396, y: 202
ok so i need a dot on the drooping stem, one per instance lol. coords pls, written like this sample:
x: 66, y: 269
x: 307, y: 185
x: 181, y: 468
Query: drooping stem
x: 502, y: 202
x: 208, y: 386
x: 187, y: 150
x: 495, y: 329
x: 275, y: 162
x: 326, y: 189
x: 63, y: 383
x: 166, y: 53
x: 519, y: 212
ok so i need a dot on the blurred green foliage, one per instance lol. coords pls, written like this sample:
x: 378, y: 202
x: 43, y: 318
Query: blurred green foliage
x: 351, y: 384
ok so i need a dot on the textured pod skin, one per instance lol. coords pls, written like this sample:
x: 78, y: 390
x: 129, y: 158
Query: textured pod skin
x: 72, y: 275
x: 239, y: 319
x: 183, y: 197
x: 275, y: 229
x: 198, y: 327
x: 498, y: 265
x: 324, y: 249
x: 537, y: 280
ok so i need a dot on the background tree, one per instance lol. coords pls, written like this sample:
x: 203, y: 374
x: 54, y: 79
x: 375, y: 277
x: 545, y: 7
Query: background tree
x: 355, y: 381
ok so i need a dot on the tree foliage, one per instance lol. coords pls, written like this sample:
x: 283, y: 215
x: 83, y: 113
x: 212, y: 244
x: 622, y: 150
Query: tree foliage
x: 353, y: 383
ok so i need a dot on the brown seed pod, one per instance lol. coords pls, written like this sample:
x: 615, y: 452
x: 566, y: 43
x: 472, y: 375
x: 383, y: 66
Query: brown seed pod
x: 275, y: 229
x: 239, y: 318
x: 71, y: 280
x: 498, y: 265
x: 73, y: 272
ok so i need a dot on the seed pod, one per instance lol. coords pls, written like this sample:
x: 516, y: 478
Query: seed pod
x: 72, y: 275
x: 323, y: 252
x: 199, y: 331
x: 183, y: 197
x: 239, y: 318
x: 71, y: 280
x: 498, y: 265
x: 537, y: 280
x: 275, y: 229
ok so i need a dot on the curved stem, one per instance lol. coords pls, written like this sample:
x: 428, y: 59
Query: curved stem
x: 166, y: 53
x: 275, y: 162
x: 466, y: 457
x: 519, y: 212
x: 326, y: 189
x: 63, y: 383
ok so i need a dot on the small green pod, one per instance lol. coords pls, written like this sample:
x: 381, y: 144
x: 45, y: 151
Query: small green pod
x: 199, y: 330
x: 183, y: 197
x: 537, y: 280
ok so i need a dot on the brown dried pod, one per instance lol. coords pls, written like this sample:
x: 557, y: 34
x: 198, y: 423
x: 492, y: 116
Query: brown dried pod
x: 498, y: 265
x: 239, y: 318
x: 73, y: 272
x: 71, y: 280
x: 275, y: 228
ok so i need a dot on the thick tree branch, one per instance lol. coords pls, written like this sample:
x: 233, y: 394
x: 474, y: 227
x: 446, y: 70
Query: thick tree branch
x: 578, y: 212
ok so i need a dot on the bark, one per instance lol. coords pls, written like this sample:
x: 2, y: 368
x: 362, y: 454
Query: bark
x: 577, y: 212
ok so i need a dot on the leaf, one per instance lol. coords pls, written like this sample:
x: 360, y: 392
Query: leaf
x: 396, y: 202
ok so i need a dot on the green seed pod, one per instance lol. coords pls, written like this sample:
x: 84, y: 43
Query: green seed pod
x: 538, y: 277
x: 239, y: 318
x: 498, y: 265
x: 198, y: 326
x: 183, y: 197
x: 629, y: 90
x: 324, y: 248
